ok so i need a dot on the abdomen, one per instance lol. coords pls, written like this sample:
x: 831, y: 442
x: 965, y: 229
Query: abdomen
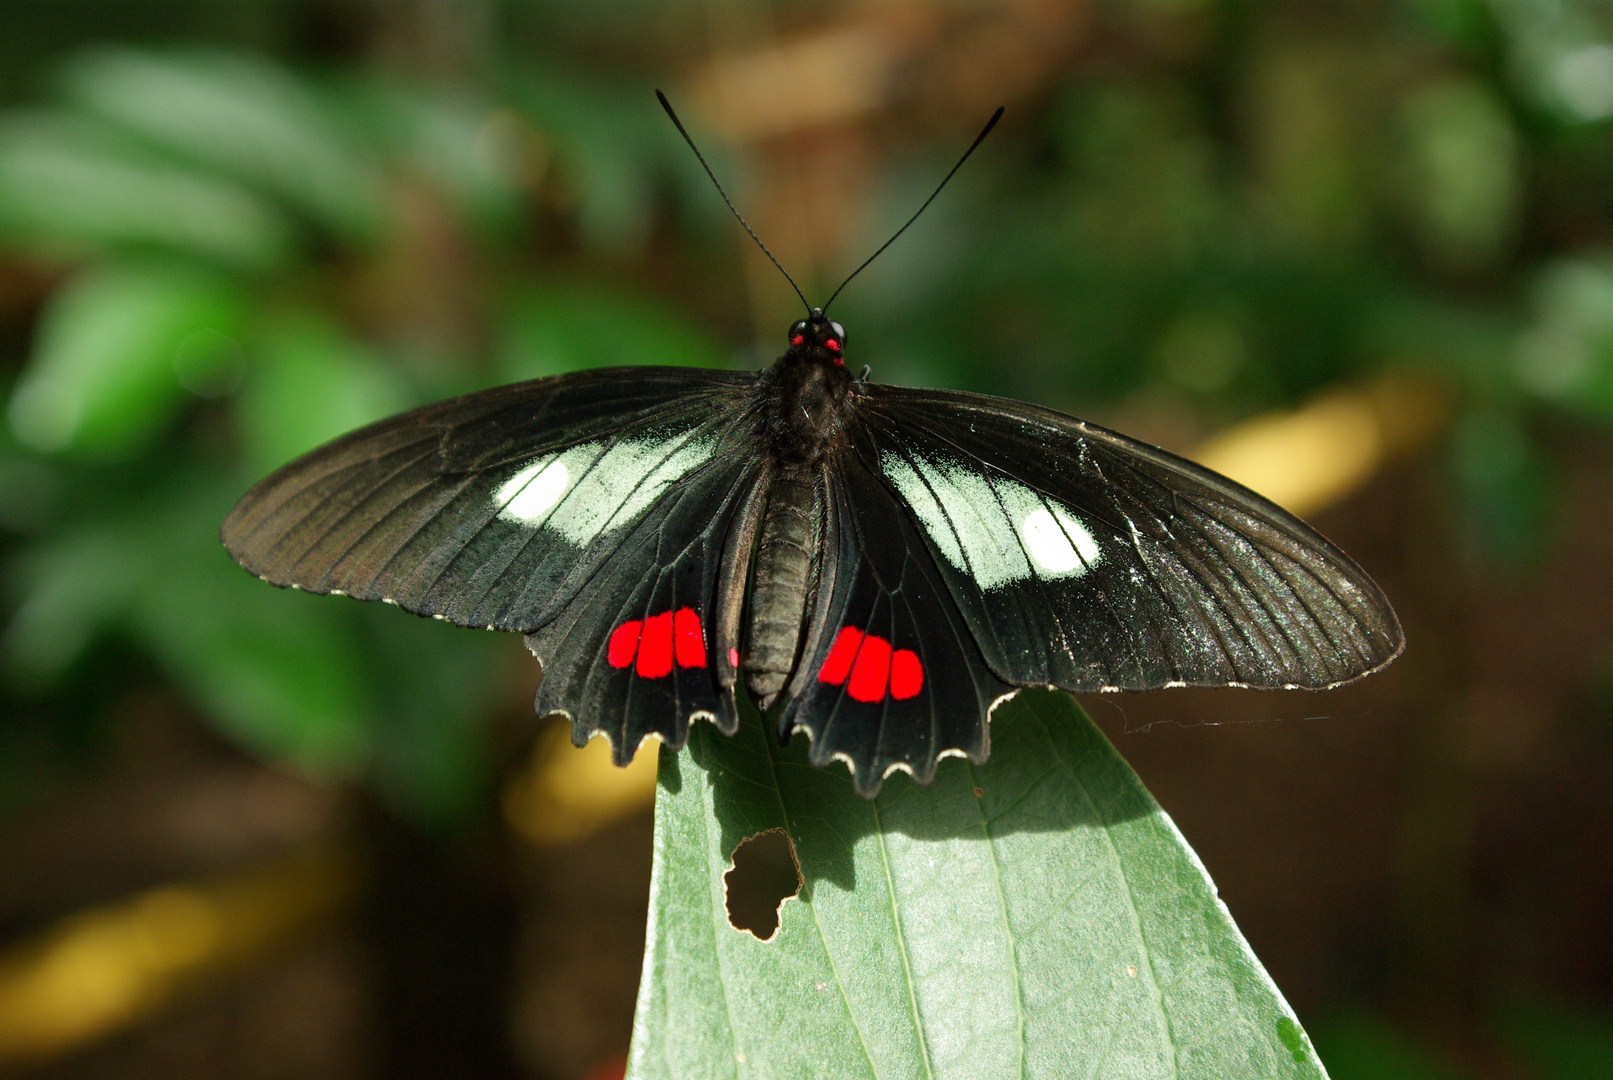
x: 786, y: 557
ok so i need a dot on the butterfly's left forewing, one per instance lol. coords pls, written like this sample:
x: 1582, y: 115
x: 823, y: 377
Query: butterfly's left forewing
x: 491, y: 510
x: 587, y: 510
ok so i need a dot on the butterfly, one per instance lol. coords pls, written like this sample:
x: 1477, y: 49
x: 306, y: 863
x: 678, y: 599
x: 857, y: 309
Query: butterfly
x: 878, y: 566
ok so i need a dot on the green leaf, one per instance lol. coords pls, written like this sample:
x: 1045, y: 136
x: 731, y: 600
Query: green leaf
x: 1460, y: 171
x: 1035, y: 916
x: 476, y: 154
x: 1504, y: 484
x: 279, y: 672
x: 610, y: 148
x: 1566, y: 354
x: 239, y: 115
x: 437, y: 686
x: 66, y: 187
x: 1561, y: 1039
x: 311, y: 382
x: 70, y: 587
x: 115, y: 351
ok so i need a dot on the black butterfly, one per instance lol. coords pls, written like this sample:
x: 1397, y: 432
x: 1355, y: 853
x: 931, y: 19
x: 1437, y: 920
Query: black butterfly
x: 881, y: 565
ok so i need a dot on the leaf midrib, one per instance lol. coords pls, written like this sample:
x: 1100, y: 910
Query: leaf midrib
x: 823, y: 939
x: 1011, y: 944
x: 1147, y: 967
x: 901, y: 942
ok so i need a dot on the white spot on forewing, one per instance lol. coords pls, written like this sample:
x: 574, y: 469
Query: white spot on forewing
x: 990, y: 526
x: 593, y: 488
x: 530, y: 494
x: 921, y: 500
x: 1057, y: 542
x: 629, y: 477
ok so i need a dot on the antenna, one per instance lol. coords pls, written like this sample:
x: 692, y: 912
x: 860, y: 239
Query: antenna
x: 996, y: 116
x: 667, y: 105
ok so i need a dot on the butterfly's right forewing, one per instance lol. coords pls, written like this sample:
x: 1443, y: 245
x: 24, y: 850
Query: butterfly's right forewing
x: 1087, y: 560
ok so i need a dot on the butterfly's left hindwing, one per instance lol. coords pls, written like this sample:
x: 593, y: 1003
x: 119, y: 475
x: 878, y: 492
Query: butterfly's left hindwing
x: 631, y: 654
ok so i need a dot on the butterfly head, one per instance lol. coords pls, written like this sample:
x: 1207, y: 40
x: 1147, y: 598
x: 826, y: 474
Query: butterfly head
x: 818, y: 331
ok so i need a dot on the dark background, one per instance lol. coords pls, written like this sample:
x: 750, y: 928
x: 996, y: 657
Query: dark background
x: 1356, y: 253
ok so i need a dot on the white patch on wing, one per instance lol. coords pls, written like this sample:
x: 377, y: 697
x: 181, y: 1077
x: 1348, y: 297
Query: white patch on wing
x: 1057, y: 542
x: 992, y: 527
x: 532, y: 492
x: 590, y: 489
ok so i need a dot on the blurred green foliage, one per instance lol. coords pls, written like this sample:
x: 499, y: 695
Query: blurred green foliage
x: 214, y: 225
x: 243, y: 255
x: 245, y: 245
x: 1360, y: 1046
x: 1559, y: 1040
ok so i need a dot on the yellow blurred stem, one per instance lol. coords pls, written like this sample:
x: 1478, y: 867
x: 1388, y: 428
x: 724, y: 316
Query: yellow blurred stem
x: 1319, y: 454
x: 565, y: 794
x: 104, y: 969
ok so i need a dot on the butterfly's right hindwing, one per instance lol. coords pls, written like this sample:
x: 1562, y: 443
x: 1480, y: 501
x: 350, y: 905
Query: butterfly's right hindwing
x: 890, y: 675
x: 494, y: 509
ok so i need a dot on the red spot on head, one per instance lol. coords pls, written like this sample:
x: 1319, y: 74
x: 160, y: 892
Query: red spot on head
x: 832, y: 345
x: 623, y: 643
x: 688, y: 640
x: 841, y: 654
x: 907, y: 674
x: 871, y: 671
x: 798, y: 340
x: 655, y: 647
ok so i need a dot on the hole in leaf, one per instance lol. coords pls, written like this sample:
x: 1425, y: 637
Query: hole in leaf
x: 765, y: 874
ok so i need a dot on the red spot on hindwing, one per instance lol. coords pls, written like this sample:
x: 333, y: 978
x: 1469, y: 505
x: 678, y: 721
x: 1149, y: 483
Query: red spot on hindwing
x: 688, y: 640
x: 655, y: 647
x: 907, y: 674
x: 841, y: 654
x: 651, y: 646
x: 868, y: 668
x: 872, y: 670
x: 623, y: 643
